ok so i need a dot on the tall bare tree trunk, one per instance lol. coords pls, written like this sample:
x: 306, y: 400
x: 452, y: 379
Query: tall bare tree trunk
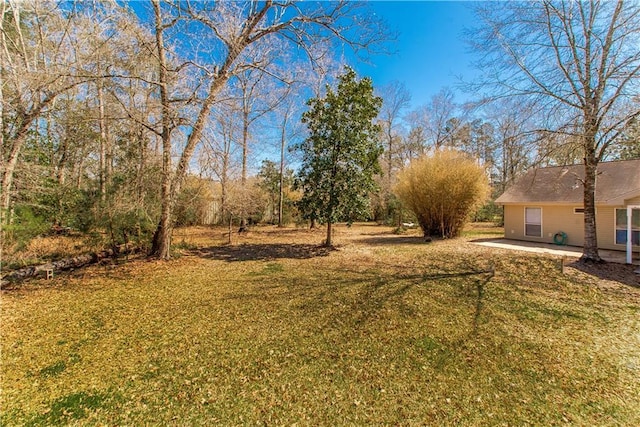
x: 142, y: 162
x: 8, y: 158
x: 9, y: 167
x: 172, y: 180
x: 223, y: 185
x: 104, y: 141
x: 281, y: 184
x: 161, y: 244
x: 390, y: 156
x: 2, y: 196
x: 590, y: 250
x: 245, y: 155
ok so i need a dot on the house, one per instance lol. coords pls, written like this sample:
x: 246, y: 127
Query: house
x: 546, y: 205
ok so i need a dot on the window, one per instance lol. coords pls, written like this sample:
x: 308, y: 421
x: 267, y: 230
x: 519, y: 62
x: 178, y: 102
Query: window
x: 621, y: 227
x: 533, y: 222
x: 578, y: 210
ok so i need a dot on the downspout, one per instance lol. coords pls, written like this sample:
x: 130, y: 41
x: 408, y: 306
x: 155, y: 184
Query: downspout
x: 629, y: 235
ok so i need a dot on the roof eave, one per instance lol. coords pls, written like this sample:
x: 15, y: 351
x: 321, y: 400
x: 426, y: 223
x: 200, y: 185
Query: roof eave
x: 540, y: 203
x: 622, y: 198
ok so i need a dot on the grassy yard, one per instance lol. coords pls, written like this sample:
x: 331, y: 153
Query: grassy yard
x: 275, y: 330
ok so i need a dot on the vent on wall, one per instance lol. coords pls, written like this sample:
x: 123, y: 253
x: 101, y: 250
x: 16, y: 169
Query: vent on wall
x: 578, y: 210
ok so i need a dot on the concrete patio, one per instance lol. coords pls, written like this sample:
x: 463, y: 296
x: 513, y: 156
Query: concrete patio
x: 568, y: 251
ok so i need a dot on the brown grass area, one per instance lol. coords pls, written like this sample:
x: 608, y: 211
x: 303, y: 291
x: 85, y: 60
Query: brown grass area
x: 275, y: 329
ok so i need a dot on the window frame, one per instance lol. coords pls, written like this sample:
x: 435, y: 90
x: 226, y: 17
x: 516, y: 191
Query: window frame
x: 635, y: 241
x: 526, y: 223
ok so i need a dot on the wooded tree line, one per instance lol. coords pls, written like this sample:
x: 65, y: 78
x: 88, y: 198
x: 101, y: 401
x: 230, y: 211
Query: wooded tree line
x: 107, y: 111
x: 117, y: 117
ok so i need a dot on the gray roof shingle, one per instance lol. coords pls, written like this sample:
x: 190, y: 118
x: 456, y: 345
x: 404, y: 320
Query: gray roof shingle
x: 616, y: 181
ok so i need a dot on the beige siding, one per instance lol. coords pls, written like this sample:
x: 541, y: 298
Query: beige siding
x: 554, y: 220
x: 634, y: 201
x: 514, y: 222
x: 561, y: 218
x: 605, y: 221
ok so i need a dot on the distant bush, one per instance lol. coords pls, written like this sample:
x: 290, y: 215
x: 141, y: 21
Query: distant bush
x: 26, y: 225
x: 443, y: 190
x: 195, y: 200
x: 489, y: 212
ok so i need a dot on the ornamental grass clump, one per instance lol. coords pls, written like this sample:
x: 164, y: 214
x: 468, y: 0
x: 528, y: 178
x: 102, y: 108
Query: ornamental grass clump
x: 442, y: 190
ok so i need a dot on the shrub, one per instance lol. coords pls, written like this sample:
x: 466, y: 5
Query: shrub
x: 442, y: 190
x: 195, y: 200
x: 26, y: 225
x: 489, y: 212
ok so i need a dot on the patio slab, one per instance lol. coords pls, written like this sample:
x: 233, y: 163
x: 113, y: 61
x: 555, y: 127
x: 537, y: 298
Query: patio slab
x: 546, y: 248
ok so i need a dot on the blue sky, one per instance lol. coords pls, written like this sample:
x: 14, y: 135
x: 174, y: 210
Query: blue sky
x: 430, y: 51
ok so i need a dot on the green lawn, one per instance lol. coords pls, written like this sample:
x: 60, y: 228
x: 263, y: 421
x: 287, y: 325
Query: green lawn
x: 274, y: 330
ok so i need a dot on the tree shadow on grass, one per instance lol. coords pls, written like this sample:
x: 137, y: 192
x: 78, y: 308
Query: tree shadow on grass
x: 621, y: 273
x: 381, y: 291
x: 392, y: 239
x: 333, y: 303
x: 263, y: 252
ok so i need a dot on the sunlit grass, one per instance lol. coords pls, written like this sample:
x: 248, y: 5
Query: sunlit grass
x: 384, y: 330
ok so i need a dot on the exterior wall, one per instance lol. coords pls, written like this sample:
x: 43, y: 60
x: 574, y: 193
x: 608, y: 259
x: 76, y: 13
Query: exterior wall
x: 554, y: 219
x: 561, y: 218
x: 634, y: 201
x: 514, y: 222
x: 606, y: 225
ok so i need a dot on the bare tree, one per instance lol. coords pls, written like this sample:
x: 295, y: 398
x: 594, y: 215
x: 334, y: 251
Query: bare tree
x: 511, y: 123
x: 579, y: 62
x: 66, y: 73
x: 289, y: 128
x: 395, y: 98
x: 630, y: 142
x: 42, y: 52
x: 439, y: 118
x: 258, y: 95
x: 217, y: 153
x: 416, y: 140
x: 230, y: 29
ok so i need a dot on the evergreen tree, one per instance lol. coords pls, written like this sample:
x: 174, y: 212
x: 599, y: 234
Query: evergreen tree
x: 340, y: 156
